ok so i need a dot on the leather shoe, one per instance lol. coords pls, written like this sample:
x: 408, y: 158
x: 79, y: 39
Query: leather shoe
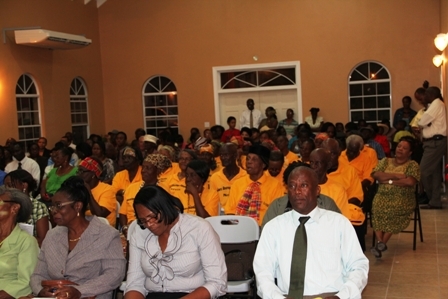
x: 430, y: 207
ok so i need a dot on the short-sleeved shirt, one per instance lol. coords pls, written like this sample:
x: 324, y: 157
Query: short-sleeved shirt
x: 104, y: 195
x: 127, y: 206
x: 364, y: 163
x: 221, y: 185
x: 121, y: 180
x: 270, y: 190
x: 40, y: 211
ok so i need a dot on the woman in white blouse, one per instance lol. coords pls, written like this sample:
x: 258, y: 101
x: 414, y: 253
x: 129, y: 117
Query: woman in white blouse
x: 173, y: 255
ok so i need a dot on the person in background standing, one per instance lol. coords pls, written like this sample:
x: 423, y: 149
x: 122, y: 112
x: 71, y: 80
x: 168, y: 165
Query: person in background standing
x: 251, y: 117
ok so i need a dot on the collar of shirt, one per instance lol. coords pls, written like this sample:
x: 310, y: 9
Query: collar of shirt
x: 21, y: 161
x: 314, y: 216
x: 263, y: 178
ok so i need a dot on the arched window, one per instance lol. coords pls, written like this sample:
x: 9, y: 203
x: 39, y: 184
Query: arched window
x: 369, y: 92
x: 28, y: 112
x: 160, y: 105
x: 79, y: 110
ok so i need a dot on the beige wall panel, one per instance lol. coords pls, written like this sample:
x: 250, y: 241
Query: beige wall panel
x: 53, y: 69
x: 183, y: 40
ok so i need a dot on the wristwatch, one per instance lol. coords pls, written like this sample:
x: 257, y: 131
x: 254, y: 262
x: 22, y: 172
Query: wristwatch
x: 390, y: 182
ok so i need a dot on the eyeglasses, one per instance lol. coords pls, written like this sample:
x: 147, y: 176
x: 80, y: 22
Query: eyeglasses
x: 149, y: 219
x: 57, y: 207
x: 1, y: 201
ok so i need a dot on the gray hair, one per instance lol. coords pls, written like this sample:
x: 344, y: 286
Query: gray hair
x: 20, y: 198
x: 355, y: 139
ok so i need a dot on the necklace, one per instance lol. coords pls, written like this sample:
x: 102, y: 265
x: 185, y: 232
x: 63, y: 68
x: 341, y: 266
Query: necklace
x: 74, y: 240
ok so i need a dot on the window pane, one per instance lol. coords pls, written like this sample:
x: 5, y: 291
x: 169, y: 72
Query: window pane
x: 150, y: 112
x: 383, y: 102
x: 369, y: 102
x: 172, y: 99
x: 383, y: 88
x: 369, y: 89
x: 383, y: 114
x: 36, y: 132
x: 355, y: 90
x: 355, y: 116
x: 370, y: 116
x: 150, y: 101
x: 35, y: 118
x: 21, y: 133
x: 356, y: 103
x: 382, y: 74
x: 374, y: 68
x: 172, y: 111
x: 237, y: 84
x: 363, y: 69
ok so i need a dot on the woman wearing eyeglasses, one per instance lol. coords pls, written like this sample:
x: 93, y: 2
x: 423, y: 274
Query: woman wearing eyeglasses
x: 18, y: 249
x: 87, y: 253
x: 174, y: 255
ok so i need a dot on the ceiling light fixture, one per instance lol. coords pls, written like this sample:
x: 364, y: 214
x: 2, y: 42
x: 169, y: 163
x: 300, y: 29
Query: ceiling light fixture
x: 438, y: 60
x: 441, y: 41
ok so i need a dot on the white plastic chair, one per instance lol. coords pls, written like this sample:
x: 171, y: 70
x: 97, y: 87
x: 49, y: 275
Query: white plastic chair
x: 131, y: 230
x: 104, y: 220
x: 236, y: 230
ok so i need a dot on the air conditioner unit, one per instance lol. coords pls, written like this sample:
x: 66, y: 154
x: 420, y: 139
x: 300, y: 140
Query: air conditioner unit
x: 50, y: 39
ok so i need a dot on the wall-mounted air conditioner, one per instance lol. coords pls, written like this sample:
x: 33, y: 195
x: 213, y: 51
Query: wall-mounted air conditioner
x: 50, y: 39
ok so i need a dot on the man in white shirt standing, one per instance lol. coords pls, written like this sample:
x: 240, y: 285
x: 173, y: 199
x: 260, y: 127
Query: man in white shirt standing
x: 333, y: 266
x: 433, y: 128
x: 251, y: 117
x: 20, y: 161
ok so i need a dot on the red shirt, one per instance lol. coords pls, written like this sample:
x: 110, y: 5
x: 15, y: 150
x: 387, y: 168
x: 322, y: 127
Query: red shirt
x: 228, y: 134
x: 382, y: 140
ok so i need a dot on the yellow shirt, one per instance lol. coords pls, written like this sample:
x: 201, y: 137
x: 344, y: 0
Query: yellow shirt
x: 221, y: 185
x: 104, y: 195
x: 127, y: 207
x: 174, y: 169
x: 364, y: 163
x: 347, y: 176
x: 209, y: 200
x: 289, y: 158
x: 271, y: 189
x: 176, y: 188
x: 337, y: 193
x: 121, y: 179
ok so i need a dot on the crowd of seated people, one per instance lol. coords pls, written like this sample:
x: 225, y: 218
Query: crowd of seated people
x: 236, y: 171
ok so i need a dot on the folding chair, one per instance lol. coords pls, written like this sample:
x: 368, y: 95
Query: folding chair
x: 238, y: 234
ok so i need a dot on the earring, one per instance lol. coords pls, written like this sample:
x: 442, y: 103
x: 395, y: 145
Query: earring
x: 78, y: 214
x: 24, y: 190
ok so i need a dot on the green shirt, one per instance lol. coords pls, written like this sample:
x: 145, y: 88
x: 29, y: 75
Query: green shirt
x: 18, y: 258
x: 54, y: 181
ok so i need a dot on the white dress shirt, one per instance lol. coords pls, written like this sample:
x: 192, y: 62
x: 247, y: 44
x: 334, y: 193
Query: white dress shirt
x: 334, y: 263
x: 436, y: 116
x: 28, y: 164
x: 193, y: 258
x: 245, y: 118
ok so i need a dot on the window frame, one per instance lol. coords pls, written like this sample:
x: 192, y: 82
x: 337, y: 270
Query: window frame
x: 79, y: 98
x: 27, y: 141
x: 369, y: 80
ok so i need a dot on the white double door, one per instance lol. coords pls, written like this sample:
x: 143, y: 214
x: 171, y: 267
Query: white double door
x: 234, y: 103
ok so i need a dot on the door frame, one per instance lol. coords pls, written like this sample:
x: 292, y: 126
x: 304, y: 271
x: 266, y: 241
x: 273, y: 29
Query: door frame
x: 251, y: 67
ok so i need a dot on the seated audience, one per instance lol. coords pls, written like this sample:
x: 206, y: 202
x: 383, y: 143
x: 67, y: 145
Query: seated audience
x: 201, y: 201
x: 405, y: 113
x: 282, y: 145
x: 394, y: 201
x: 289, y: 123
x: 282, y: 204
x: 276, y: 165
x: 330, y: 129
x: 252, y: 194
x: 176, y: 184
x: 173, y: 254
x: 23, y: 181
x: 43, y: 150
x: 130, y: 174
x: 306, y: 147
x: 153, y: 167
x: 99, y: 152
x: 18, y: 249
x: 102, y: 201
x: 21, y: 161
x: 367, y: 135
x: 88, y: 253
x: 314, y: 121
x: 333, y: 266
x: 231, y: 131
x: 61, y: 171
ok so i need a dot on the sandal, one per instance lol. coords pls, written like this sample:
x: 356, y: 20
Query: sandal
x: 376, y: 252
x: 381, y: 246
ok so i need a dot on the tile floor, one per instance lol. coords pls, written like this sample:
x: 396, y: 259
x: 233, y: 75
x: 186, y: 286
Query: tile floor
x: 404, y: 273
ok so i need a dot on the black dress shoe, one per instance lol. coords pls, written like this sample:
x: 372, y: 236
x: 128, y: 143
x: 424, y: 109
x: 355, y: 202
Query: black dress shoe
x: 430, y: 207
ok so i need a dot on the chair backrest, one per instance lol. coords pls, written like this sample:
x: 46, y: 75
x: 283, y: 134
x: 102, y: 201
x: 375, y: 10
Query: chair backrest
x: 235, y: 228
x: 239, y: 237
